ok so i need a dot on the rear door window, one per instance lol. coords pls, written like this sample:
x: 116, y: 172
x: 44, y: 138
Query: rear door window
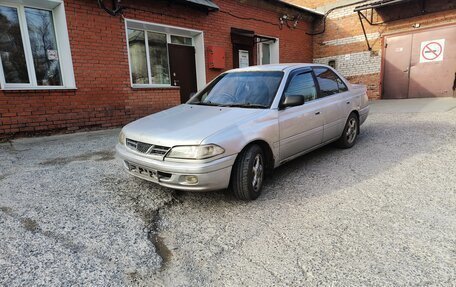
x: 329, y: 82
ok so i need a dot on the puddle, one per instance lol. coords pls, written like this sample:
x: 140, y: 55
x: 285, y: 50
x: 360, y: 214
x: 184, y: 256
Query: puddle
x: 30, y: 225
x: 6, y: 209
x: 161, y: 249
x: 3, y: 176
x: 97, y: 156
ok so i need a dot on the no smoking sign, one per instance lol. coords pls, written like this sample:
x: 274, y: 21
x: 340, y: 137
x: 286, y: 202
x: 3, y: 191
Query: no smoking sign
x: 432, y: 51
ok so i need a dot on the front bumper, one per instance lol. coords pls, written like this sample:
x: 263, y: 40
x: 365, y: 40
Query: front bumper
x: 212, y: 175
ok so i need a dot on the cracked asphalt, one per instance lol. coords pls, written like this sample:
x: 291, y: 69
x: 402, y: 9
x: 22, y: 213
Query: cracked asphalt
x: 380, y: 214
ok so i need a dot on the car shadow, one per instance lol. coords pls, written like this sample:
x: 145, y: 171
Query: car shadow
x: 379, y: 147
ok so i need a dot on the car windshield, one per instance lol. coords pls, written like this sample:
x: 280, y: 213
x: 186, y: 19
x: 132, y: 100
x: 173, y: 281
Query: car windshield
x: 241, y: 89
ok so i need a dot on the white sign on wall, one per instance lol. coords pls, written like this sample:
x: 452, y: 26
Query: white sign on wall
x: 243, y: 58
x: 432, y: 51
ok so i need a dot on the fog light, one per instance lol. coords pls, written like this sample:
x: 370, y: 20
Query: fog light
x: 191, y: 179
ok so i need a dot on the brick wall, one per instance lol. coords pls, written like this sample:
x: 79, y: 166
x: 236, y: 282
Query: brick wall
x: 104, y: 97
x: 343, y: 39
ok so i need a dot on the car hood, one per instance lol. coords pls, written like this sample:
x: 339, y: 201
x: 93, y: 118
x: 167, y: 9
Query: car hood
x: 185, y: 124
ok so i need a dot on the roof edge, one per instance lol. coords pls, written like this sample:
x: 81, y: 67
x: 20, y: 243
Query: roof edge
x: 305, y: 9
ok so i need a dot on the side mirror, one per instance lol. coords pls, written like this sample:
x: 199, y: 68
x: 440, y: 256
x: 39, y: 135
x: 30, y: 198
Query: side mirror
x: 292, y: 101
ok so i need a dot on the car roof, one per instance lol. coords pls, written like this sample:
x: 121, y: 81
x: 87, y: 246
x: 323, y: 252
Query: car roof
x: 274, y: 67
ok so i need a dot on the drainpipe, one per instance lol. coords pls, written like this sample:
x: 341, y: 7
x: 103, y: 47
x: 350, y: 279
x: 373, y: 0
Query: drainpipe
x: 332, y: 9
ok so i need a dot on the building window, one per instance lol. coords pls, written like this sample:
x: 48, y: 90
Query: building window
x: 33, y: 49
x: 265, y: 53
x: 181, y: 40
x: 148, y: 53
x: 148, y: 57
x: 158, y: 54
x: 138, y: 59
x: 268, y: 52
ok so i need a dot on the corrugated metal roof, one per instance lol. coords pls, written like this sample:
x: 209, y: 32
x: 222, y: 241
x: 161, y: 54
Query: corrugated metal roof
x: 379, y: 4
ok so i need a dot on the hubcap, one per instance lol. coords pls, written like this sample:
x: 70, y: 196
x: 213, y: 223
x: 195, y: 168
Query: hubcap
x: 352, y: 130
x: 257, y: 170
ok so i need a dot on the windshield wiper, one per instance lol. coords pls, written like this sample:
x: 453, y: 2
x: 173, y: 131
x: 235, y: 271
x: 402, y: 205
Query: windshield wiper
x: 205, y: 104
x: 246, y: 105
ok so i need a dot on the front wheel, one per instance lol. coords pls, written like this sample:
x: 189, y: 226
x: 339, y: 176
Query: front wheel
x: 248, y: 173
x: 350, y: 133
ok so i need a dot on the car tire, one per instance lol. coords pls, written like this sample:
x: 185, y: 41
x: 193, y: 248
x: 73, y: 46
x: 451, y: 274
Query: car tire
x: 350, y: 133
x: 248, y: 173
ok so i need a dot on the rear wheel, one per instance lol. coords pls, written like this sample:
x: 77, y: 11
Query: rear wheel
x: 248, y: 173
x: 350, y: 133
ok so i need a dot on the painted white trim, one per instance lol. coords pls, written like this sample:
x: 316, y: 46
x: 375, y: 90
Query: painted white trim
x: 40, y: 4
x: 63, y: 44
x: 38, y: 88
x: 166, y: 28
x: 352, y: 39
x: 62, y: 41
x: 197, y: 41
x: 128, y: 53
x: 156, y: 86
x: 200, y: 61
x: 27, y: 46
x: 146, y: 43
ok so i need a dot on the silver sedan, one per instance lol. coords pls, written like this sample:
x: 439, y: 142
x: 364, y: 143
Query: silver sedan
x: 244, y: 122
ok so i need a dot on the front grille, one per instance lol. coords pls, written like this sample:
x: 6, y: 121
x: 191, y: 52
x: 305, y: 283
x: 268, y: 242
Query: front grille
x: 147, y: 148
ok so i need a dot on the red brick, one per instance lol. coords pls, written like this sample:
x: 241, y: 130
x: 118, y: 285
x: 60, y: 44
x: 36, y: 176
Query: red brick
x: 98, y: 47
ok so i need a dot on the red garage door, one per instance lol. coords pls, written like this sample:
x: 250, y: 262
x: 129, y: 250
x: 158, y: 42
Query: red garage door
x: 420, y: 64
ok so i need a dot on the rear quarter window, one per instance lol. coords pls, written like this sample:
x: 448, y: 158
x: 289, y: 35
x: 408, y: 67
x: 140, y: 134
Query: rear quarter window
x: 329, y: 82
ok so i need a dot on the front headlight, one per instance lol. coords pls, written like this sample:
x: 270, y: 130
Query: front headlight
x: 122, y: 138
x: 195, y: 152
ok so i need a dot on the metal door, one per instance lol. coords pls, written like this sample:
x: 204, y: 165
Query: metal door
x: 183, y: 69
x: 433, y: 63
x: 396, y: 67
x: 422, y: 64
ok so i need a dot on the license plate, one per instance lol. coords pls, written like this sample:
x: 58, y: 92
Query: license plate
x: 152, y: 173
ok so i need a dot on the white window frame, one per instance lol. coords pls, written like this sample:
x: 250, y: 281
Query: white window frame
x: 273, y: 51
x: 197, y: 42
x: 62, y: 39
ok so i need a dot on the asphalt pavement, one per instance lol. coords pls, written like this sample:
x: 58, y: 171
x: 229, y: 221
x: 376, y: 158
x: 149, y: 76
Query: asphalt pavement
x: 380, y: 214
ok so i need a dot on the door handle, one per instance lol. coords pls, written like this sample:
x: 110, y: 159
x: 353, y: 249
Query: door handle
x: 317, y: 113
x: 348, y: 102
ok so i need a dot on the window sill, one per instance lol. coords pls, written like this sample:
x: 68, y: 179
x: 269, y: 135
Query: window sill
x: 33, y: 89
x: 137, y: 87
x: 36, y: 88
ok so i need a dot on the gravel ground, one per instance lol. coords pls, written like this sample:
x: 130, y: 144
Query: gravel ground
x: 382, y: 213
